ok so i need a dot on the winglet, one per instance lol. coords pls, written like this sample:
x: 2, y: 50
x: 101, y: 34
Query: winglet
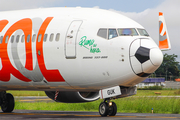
x: 164, y: 43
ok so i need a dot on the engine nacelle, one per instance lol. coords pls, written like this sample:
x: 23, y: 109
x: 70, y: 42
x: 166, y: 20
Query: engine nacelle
x: 73, y: 97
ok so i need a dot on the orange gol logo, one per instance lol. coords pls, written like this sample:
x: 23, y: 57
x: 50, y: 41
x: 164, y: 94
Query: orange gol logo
x: 7, y: 68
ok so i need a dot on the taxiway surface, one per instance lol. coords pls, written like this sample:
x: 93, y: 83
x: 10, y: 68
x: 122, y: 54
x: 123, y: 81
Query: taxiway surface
x: 49, y: 115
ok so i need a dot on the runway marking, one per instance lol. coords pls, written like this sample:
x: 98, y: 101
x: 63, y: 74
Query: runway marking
x: 147, y: 117
x: 51, y: 114
x: 70, y: 115
x: 35, y: 100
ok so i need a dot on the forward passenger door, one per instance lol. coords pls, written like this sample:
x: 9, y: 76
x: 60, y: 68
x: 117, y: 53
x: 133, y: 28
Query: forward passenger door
x: 70, y: 41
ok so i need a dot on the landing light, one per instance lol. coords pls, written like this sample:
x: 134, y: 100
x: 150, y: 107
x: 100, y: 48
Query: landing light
x: 110, y: 103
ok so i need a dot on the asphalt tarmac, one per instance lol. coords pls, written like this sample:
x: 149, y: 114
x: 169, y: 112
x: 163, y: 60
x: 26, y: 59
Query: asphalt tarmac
x: 49, y: 115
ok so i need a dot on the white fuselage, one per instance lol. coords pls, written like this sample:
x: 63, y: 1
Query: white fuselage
x: 76, y: 57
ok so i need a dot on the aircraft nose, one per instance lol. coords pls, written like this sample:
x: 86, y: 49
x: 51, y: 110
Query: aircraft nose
x: 156, y: 56
x: 145, y: 57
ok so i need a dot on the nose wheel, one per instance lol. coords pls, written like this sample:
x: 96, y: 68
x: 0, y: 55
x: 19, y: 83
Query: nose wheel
x: 107, y: 108
x: 112, y: 109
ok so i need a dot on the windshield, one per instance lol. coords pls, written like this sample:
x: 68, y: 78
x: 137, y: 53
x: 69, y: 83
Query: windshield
x: 110, y: 33
x: 142, y: 32
x: 127, y: 32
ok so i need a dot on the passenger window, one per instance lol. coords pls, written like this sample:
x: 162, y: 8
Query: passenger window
x: 39, y: 37
x: 7, y: 37
x: 28, y: 38
x: 51, y: 37
x: 17, y: 38
x: 57, y: 36
x: 45, y: 38
x: 127, y: 32
x: 12, y: 38
x: 34, y: 38
x: 112, y: 33
x: 102, y: 33
x: 22, y: 38
x: 1, y: 39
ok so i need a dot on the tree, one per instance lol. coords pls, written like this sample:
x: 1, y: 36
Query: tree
x: 169, y: 67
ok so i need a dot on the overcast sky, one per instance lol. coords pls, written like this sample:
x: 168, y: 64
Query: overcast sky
x: 144, y: 12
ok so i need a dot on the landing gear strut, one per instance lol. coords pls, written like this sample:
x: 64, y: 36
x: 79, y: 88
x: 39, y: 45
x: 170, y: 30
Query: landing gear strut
x: 107, y: 108
x: 6, y: 101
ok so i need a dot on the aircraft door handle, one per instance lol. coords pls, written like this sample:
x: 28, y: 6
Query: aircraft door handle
x: 70, y: 36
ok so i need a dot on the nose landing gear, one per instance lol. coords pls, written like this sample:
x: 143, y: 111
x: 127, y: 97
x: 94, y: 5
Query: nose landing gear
x: 107, y: 108
x: 6, y: 101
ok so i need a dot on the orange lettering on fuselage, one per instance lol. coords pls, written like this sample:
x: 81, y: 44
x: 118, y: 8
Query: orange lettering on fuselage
x: 7, y: 68
x: 50, y: 75
x: 3, y: 23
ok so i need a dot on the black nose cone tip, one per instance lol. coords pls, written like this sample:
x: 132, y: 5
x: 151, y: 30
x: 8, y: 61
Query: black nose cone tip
x: 142, y: 54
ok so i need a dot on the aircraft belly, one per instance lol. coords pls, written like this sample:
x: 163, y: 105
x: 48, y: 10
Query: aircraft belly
x: 15, y: 84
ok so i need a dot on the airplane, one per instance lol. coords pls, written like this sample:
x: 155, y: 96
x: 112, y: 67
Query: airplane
x: 75, y: 55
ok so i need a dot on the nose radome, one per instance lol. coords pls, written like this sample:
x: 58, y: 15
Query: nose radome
x: 142, y: 54
x: 145, y: 57
x: 156, y: 56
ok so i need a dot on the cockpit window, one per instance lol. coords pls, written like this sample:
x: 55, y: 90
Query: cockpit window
x: 112, y: 33
x: 109, y: 33
x: 127, y: 32
x: 142, y: 32
x: 102, y: 33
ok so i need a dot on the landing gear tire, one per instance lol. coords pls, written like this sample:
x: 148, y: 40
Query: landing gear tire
x: 8, y: 104
x: 113, y: 109
x: 103, y: 109
x: 106, y: 109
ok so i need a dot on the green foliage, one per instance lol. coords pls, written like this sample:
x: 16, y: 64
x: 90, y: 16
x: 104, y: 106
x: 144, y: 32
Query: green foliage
x: 151, y: 88
x: 169, y: 67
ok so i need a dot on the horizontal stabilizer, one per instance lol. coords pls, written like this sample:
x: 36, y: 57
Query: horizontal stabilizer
x: 164, y: 43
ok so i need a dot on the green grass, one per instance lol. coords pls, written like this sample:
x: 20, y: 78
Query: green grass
x: 26, y: 93
x: 139, y: 93
x: 152, y: 92
x: 139, y: 103
x: 145, y: 104
x: 124, y: 105
x: 91, y: 106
